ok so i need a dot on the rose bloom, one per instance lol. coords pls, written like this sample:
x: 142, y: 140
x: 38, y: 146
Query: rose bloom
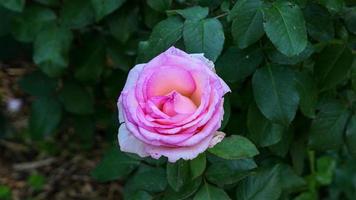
x: 171, y: 106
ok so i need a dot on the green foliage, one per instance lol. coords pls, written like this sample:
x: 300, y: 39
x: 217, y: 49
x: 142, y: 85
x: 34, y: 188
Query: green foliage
x: 291, y: 65
x: 36, y: 181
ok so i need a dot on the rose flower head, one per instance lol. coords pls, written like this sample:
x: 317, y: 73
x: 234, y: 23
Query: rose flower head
x: 171, y: 106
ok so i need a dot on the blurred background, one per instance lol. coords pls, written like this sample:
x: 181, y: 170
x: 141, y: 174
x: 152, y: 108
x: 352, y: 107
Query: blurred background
x: 63, y: 64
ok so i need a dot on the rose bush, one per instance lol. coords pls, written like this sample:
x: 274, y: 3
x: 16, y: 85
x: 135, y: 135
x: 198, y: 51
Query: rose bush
x: 171, y: 106
x: 289, y: 120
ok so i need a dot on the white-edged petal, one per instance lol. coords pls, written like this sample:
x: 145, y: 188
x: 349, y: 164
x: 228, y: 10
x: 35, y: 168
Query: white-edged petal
x: 129, y: 143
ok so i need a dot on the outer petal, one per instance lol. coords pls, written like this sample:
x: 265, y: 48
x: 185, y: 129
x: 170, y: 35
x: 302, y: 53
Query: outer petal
x: 129, y: 143
x: 175, y: 153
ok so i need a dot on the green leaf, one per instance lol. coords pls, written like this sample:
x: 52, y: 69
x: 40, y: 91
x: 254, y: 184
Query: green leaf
x: 123, y: 24
x: 76, y: 99
x: 26, y: 26
x: 114, y: 165
x: 90, y: 62
x: 38, y: 84
x: 308, y: 93
x: 275, y: 93
x: 226, y: 172
x: 141, y: 195
x: 159, y: 5
x: 285, y: 27
x: 5, y: 192
x: 290, y: 181
x: 191, y: 13
x: 247, y: 25
x: 234, y: 147
x: 325, y: 168
x: 333, y: 6
x: 186, y: 191
x: 326, y: 131
x: 282, y: 147
x: 319, y: 22
x: 227, y: 113
x: 46, y: 113
x: 197, y: 165
x: 5, y: 21
x: 265, y: 184
x: 77, y: 13
x: 48, y: 2
x: 351, y: 135
x: 261, y: 130
x: 177, y: 174
x: 209, y: 192
x: 105, y: 7
x: 204, y: 36
x: 51, y: 49
x: 350, y: 19
x: 147, y: 178
x: 235, y: 64
x: 332, y: 65
x: 163, y: 36
x: 279, y: 58
x: 14, y: 5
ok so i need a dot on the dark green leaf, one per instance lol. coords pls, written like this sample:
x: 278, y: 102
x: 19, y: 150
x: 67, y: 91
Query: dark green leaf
x: 14, y: 5
x: 147, y: 178
x: 332, y: 65
x: 333, y: 5
x: 204, y: 36
x: 282, y: 147
x: 159, y: 5
x: 350, y: 19
x: 261, y: 130
x: 226, y: 172
x: 140, y: 195
x: 115, y: 165
x: 308, y: 93
x: 285, y: 27
x: 163, y: 36
x: 234, y: 147
x: 77, y: 13
x: 265, y: 184
x: 197, y: 165
x: 247, y: 25
x: 351, y: 136
x: 326, y: 131
x: 227, y: 112
x: 186, y: 191
x: 177, y: 174
x: 209, y: 192
x: 236, y: 64
x: 76, y: 99
x: 26, y: 27
x: 48, y: 2
x: 279, y: 58
x: 275, y: 93
x: 38, y: 84
x: 325, y: 167
x: 51, y: 49
x: 90, y: 62
x: 46, y: 113
x: 191, y: 13
x: 123, y: 24
x: 290, y: 181
x: 319, y: 22
x: 105, y: 7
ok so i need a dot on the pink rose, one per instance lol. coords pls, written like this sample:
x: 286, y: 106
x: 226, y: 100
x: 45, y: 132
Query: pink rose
x: 171, y: 106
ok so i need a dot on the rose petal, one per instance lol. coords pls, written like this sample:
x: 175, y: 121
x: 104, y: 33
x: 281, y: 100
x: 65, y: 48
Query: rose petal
x: 129, y: 143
